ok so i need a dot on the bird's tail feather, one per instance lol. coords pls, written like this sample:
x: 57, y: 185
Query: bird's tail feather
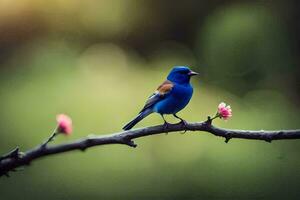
x: 141, y: 116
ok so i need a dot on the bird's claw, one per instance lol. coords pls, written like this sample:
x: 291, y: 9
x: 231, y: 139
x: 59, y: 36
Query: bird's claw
x: 184, y: 124
x: 166, y: 127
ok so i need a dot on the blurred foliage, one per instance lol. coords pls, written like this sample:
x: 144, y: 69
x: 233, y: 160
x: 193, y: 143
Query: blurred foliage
x: 99, y: 60
x: 249, y: 45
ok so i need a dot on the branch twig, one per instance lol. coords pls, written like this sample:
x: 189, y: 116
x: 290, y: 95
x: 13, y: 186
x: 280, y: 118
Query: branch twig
x: 10, y: 161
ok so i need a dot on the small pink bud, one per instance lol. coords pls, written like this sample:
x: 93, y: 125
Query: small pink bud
x: 224, y: 111
x: 64, y: 124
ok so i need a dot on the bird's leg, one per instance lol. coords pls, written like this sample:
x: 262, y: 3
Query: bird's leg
x: 182, y: 121
x: 166, y: 124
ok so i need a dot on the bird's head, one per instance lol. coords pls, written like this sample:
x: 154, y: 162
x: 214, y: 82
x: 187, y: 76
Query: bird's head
x: 181, y: 74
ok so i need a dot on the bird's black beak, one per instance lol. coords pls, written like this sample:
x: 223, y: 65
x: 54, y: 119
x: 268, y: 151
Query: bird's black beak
x: 192, y: 73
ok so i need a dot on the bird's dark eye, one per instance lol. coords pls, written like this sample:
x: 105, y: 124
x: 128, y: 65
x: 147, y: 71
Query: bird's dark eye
x: 183, y: 72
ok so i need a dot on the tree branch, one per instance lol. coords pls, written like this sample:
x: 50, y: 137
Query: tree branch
x: 15, y: 159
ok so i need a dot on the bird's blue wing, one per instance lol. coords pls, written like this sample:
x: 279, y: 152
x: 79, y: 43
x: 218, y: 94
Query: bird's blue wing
x: 162, y: 91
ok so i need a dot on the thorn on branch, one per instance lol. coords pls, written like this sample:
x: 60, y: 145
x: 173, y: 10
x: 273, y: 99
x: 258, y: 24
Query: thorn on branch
x: 12, y: 154
x: 208, y: 121
x: 128, y: 142
x: 131, y: 143
x: 83, y: 148
x: 227, y: 137
x: 268, y: 138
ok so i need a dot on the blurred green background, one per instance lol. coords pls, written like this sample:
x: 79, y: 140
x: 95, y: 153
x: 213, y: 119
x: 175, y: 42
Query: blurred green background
x: 98, y: 60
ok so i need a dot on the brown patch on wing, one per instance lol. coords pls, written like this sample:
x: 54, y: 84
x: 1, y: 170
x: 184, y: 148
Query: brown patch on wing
x: 165, y: 87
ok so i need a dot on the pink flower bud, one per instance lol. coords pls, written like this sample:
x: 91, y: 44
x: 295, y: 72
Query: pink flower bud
x: 224, y: 111
x: 64, y: 124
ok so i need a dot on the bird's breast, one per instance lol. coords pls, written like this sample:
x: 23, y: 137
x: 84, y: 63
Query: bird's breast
x: 182, y: 92
x: 177, y: 99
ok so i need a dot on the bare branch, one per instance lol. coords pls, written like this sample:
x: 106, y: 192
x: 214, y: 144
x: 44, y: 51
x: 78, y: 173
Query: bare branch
x: 15, y: 159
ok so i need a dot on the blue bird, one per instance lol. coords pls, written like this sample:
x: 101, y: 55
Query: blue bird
x: 170, y: 97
